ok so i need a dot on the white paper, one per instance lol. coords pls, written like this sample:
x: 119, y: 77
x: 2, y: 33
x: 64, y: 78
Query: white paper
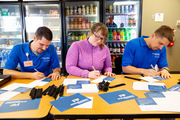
x: 86, y: 88
x: 8, y: 95
x: 169, y: 103
x: 86, y: 104
x: 159, y: 17
x: 37, y: 83
x: 149, y: 79
x: 1, y: 79
x: 100, y: 79
x: 73, y: 81
x: 144, y: 85
x: 14, y: 86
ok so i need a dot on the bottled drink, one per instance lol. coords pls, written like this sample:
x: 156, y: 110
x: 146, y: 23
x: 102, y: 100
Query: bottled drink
x: 84, y: 36
x: 122, y: 8
x: 107, y: 9
x: 69, y: 36
x: 110, y: 47
x: 72, y: 23
x: 114, y: 25
x: 76, y: 36
x: 76, y: 23
x: 83, y: 10
x: 133, y: 21
x: 87, y: 10
x: 95, y: 9
x: 130, y: 8
x: 110, y: 35
x: 80, y: 23
x: 111, y: 23
x: 71, y: 10
x: 75, y: 10
x: 83, y: 23
x: 125, y: 8
x: 80, y: 37
x: 129, y: 21
x: 110, y: 8
x: 114, y: 48
x: 118, y: 50
x: 73, y: 36
x: 133, y: 33
x: 122, y: 34
x: 87, y: 24
x: 91, y: 9
x: 69, y: 23
x: 114, y: 34
x: 114, y: 8
x: 122, y: 48
x: 118, y: 9
x: 118, y: 34
x: 67, y: 10
x: 79, y: 10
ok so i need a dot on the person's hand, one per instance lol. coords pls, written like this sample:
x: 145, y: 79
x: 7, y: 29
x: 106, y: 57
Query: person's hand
x: 37, y: 75
x: 109, y: 74
x: 54, y: 76
x: 94, y: 74
x: 165, y: 74
x: 150, y: 72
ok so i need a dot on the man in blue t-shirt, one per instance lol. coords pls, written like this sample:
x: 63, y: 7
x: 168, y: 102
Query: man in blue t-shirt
x: 142, y: 54
x: 37, y: 58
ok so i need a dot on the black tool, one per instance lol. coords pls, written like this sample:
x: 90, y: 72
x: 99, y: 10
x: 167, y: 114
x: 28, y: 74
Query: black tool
x: 117, y: 85
x: 104, y: 86
x: 132, y: 78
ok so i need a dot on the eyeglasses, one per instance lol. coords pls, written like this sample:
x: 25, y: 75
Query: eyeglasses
x: 102, y: 39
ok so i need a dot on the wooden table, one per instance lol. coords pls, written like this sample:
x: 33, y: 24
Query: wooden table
x: 44, y: 106
x: 126, y: 109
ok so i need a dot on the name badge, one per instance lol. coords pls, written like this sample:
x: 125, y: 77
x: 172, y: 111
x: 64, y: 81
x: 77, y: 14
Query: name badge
x: 28, y: 63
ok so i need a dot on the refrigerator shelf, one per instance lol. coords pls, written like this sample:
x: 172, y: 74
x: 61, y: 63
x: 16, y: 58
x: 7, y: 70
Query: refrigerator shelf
x: 44, y: 15
x: 116, y: 53
x: 119, y: 27
x: 81, y: 16
x: 121, y: 13
x: 77, y: 30
x: 119, y: 41
x: 1, y: 17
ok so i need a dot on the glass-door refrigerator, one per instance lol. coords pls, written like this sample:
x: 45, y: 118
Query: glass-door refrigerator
x: 123, y: 19
x: 79, y: 18
x: 10, y: 28
x: 44, y: 13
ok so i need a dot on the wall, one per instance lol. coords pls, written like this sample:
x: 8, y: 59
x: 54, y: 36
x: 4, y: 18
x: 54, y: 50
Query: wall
x: 171, y: 10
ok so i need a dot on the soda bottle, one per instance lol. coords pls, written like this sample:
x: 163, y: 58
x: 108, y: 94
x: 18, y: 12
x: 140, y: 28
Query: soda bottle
x: 75, y: 10
x: 79, y: 10
x: 83, y: 10
x: 118, y: 50
x: 72, y: 23
x: 125, y: 34
x: 76, y: 36
x: 71, y: 10
x: 122, y: 48
x: 114, y: 48
x: 69, y: 23
x: 87, y: 24
x: 95, y: 9
x: 67, y: 10
x: 114, y: 8
x: 114, y: 34
x: 83, y: 23
x: 110, y: 48
x: 111, y: 23
x: 84, y: 36
x: 110, y: 8
x: 76, y: 23
x: 122, y: 34
x: 118, y: 34
x: 87, y: 10
x: 107, y: 9
x: 73, y: 36
x: 91, y: 9
x: 80, y: 23
x: 110, y: 35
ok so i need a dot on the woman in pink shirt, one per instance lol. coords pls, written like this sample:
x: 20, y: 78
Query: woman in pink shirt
x: 83, y: 55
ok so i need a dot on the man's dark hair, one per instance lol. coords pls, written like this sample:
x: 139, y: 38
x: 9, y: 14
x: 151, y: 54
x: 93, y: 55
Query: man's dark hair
x: 44, y: 32
x: 165, y: 31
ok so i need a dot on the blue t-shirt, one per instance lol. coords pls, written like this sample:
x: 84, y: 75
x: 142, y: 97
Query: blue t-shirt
x: 139, y: 55
x: 44, y: 62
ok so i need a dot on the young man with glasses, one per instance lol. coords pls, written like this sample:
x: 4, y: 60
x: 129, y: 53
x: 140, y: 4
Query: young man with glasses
x: 89, y: 57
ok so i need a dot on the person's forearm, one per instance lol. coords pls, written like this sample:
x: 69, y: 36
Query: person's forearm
x: 132, y: 70
x: 17, y: 74
x: 57, y: 70
x: 166, y: 68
